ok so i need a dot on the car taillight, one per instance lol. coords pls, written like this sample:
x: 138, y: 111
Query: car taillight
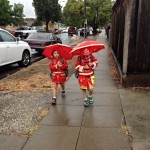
x: 37, y: 44
x: 43, y: 44
x: 30, y: 43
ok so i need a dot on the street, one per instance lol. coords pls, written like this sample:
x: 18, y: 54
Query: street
x: 10, y: 69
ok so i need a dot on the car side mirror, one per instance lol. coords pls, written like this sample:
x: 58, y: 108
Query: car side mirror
x: 18, y: 38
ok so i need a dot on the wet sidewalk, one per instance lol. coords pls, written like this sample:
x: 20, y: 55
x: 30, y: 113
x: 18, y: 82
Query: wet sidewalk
x: 71, y: 126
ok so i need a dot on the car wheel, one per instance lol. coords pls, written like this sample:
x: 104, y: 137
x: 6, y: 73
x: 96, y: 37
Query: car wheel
x: 26, y: 60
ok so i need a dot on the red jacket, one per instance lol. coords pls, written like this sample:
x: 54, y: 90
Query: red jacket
x: 82, y: 61
x: 53, y: 65
x: 58, y: 73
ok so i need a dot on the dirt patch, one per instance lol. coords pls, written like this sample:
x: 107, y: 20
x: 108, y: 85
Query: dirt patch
x: 33, y: 78
x: 116, y: 77
x: 113, y: 69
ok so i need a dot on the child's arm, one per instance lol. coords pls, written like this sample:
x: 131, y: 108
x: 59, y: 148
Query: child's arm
x: 53, y: 67
x: 78, y: 66
x: 94, y: 63
x: 64, y: 65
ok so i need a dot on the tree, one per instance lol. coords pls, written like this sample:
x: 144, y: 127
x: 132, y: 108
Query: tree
x: 73, y: 14
x: 47, y: 10
x: 5, y: 13
x: 10, y: 14
x: 18, y: 14
x: 98, y: 13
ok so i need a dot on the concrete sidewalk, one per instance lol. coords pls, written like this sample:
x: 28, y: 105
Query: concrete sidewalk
x: 119, y: 119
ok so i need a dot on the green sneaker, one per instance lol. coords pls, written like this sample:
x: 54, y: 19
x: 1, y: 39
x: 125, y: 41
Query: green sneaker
x: 86, y: 103
x: 90, y: 99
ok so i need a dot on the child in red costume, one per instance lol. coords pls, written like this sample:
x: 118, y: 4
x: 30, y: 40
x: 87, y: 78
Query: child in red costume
x: 57, y: 67
x: 85, y: 65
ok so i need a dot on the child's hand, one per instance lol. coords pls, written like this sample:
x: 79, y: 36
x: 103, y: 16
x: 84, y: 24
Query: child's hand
x: 90, y: 64
x: 59, y: 64
x: 86, y: 67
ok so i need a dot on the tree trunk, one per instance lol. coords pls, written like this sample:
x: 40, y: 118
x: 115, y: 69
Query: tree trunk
x: 47, y: 21
x: 94, y: 28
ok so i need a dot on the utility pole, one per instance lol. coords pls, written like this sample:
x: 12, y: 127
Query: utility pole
x: 85, y: 20
x: 96, y: 19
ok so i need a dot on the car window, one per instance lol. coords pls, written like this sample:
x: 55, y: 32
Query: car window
x: 71, y: 28
x: 24, y: 28
x: 7, y: 37
x: 52, y: 37
x: 32, y: 36
x: 41, y: 36
x: 1, y: 40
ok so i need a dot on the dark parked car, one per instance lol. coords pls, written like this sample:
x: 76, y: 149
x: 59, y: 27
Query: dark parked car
x: 40, y: 40
x: 56, y: 31
x: 72, y: 30
x: 82, y: 32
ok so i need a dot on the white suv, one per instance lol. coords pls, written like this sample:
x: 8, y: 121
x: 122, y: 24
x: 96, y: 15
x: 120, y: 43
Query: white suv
x: 13, y: 50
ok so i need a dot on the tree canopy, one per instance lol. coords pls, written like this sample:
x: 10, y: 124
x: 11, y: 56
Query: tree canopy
x: 47, y: 10
x: 98, y: 13
x: 10, y: 14
x: 18, y: 14
x: 5, y: 12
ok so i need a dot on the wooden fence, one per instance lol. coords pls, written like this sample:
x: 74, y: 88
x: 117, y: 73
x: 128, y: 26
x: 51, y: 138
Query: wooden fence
x: 131, y: 38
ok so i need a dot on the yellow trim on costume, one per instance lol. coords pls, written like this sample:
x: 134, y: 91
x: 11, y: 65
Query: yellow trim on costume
x: 57, y: 72
x: 77, y: 66
x: 92, y: 79
x: 61, y: 73
x: 83, y: 87
x: 86, y: 74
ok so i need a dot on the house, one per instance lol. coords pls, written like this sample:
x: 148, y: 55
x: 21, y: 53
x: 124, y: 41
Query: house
x: 29, y: 21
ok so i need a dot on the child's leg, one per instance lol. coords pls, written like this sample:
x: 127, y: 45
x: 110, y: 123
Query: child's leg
x: 62, y: 89
x: 90, y: 97
x: 90, y: 92
x: 86, y: 102
x: 62, y: 86
x: 55, y: 85
x: 54, y: 93
x: 90, y: 89
x: 84, y: 93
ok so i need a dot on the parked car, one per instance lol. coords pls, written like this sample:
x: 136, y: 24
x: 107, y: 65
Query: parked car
x: 38, y: 41
x: 65, y: 30
x: 23, y: 32
x: 24, y: 28
x: 83, y: 30
x: 56, y: 31
x: 72, y: 30
x: 10, y: 31
x: 13, y: 50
